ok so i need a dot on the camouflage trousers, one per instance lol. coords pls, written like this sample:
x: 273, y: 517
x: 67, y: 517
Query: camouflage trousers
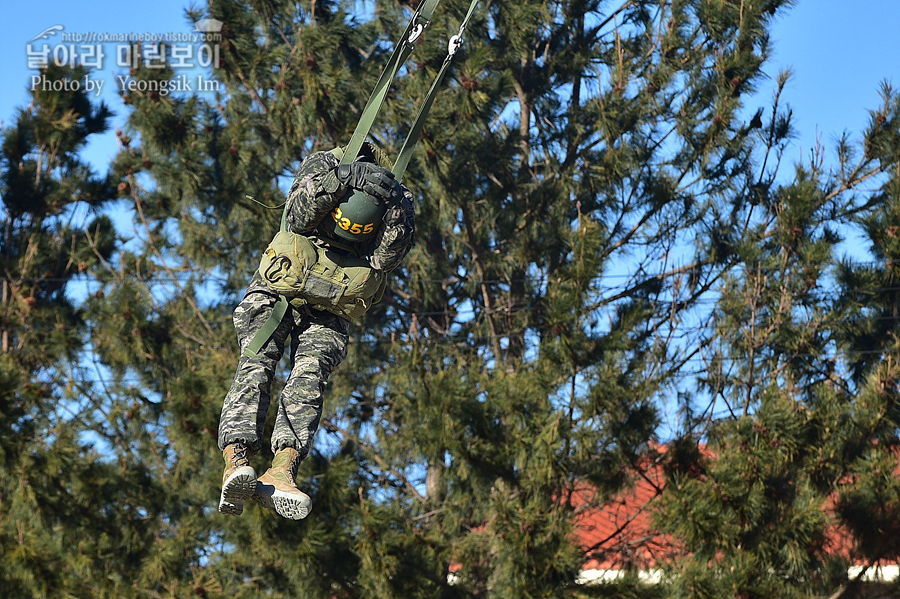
x: 318, y: 343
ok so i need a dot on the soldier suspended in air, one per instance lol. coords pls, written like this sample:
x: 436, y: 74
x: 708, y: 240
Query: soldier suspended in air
x: 345, y: 227
x: 348, y: 221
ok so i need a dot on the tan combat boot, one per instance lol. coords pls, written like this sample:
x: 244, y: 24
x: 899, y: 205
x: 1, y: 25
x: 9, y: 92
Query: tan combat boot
x: 276, y: 488
x: 238, y: 481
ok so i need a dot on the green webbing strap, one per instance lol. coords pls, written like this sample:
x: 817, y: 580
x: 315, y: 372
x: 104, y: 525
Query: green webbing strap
x: 413, y: 137
x: 402, y: 50
x: 268, y: 329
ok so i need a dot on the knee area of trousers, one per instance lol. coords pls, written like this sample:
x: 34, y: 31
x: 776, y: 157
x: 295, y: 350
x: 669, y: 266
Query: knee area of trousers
x: 304, y: 385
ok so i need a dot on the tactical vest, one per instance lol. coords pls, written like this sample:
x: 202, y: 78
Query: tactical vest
x: 308, y: 273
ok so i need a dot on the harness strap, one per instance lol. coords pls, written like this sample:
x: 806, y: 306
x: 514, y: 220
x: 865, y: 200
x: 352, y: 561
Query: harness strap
x: 413, y: 136
x: 402, y: 50
x: 268, y: 329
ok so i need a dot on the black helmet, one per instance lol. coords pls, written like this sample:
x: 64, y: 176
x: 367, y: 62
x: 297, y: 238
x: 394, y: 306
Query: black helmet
x: 357, y: 218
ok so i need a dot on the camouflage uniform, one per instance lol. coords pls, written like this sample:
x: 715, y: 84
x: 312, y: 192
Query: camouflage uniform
x: 318, y: 339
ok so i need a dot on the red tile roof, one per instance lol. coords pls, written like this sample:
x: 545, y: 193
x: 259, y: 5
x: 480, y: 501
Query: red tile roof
x: 619, y: 534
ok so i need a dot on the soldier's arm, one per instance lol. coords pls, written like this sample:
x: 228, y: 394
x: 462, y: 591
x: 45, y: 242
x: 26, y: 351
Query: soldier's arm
x: 314, y: 193
x: 396, y: 237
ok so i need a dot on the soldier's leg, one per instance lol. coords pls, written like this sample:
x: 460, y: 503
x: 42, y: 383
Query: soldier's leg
x: 247, y: 402
x: 318, y: 345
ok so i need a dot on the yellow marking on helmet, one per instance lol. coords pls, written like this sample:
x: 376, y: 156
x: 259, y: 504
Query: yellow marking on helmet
x: 345, y: 223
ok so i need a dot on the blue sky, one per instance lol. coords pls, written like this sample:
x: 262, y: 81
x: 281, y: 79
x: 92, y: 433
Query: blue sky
x: 21, y: 22
x: 839, y: 56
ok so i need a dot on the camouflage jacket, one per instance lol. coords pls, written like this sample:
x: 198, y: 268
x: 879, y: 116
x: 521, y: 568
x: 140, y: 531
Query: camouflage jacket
x: 314, y: 194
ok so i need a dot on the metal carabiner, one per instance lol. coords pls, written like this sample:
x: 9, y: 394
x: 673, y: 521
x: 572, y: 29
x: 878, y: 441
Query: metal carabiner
x: 454, y: 44
x: 415, y: 33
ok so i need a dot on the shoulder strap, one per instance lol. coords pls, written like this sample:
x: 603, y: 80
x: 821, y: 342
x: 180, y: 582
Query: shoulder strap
x: 402, y: 50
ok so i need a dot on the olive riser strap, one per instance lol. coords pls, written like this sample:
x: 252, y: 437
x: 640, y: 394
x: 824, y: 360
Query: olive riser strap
x: 418, y: 125
x: 417, y: 24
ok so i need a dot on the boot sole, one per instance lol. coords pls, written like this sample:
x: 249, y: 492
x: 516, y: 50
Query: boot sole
x: 237, y: 488
x: 287, y: 505
x: 230, y: 509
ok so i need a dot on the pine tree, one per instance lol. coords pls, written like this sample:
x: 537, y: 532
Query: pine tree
x: 485, y: 388
x: 587, y: 186
x: 800, y: 422
x: 868, y: 500
x: 70, y: 515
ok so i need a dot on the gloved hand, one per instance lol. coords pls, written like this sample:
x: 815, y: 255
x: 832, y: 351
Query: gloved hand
x: 374, y: 180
